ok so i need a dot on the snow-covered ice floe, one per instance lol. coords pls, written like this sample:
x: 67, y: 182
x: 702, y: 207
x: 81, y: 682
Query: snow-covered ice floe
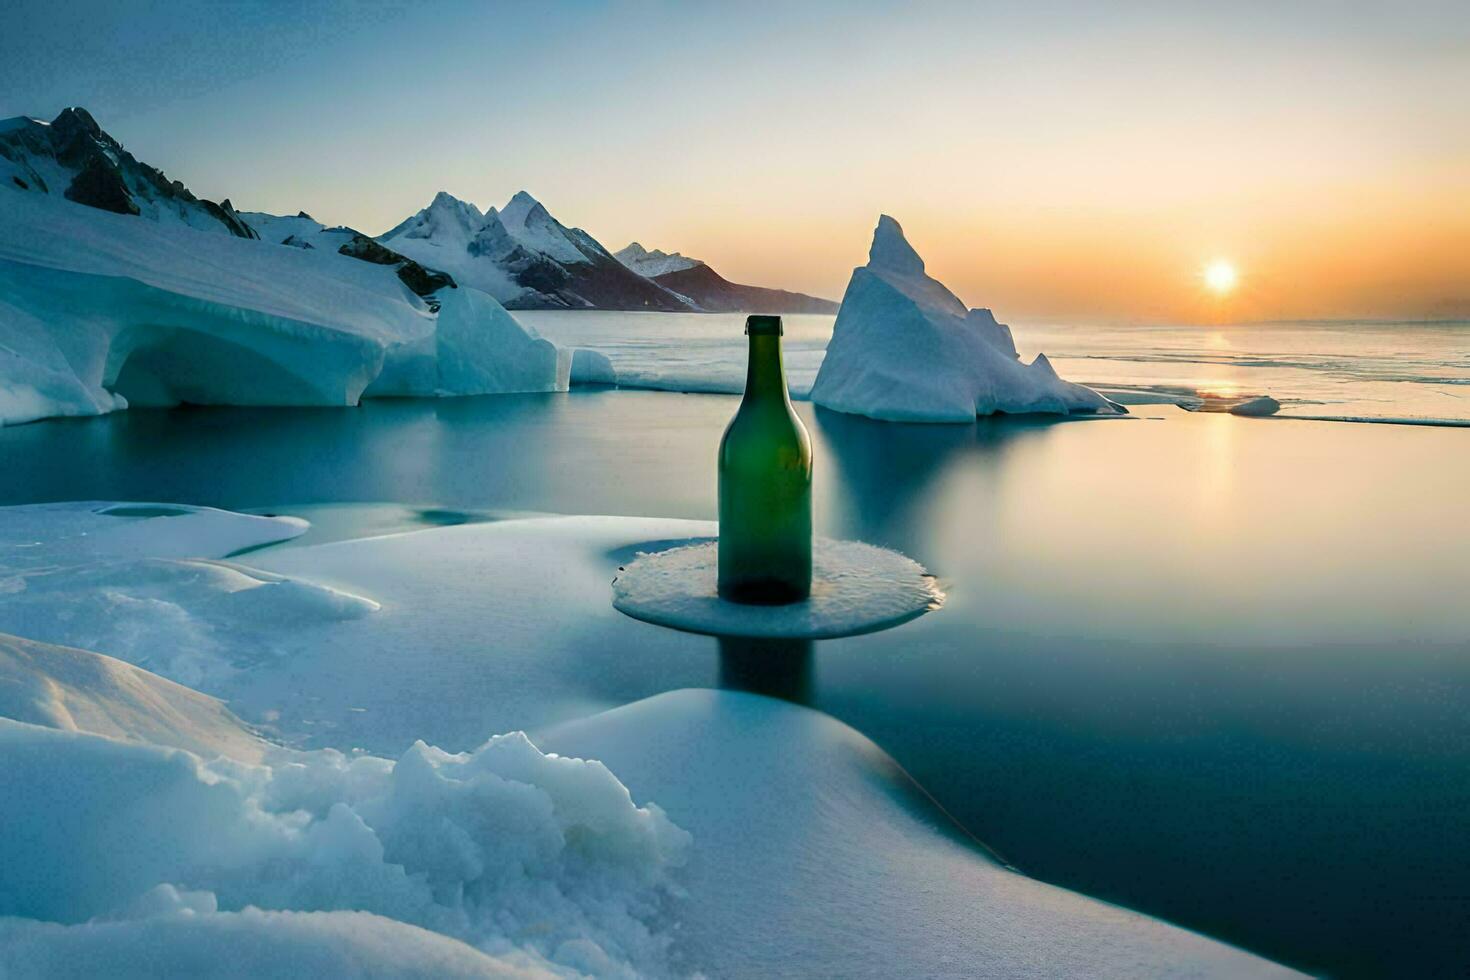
x: 99, y: 310
x: 905, y: 349
x: 145, y: 583
x: 719, y: 833
x: 856, y: 588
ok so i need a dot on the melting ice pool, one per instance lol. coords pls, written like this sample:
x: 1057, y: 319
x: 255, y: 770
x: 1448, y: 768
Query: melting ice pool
x: 1211, y: 668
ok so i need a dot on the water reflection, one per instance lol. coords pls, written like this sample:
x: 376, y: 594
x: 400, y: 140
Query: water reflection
x: 886, y: 472
x: 776, y: 668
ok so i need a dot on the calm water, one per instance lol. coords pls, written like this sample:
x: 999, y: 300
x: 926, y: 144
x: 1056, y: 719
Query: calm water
x: 1353, y: 370
x: 1212, y: 668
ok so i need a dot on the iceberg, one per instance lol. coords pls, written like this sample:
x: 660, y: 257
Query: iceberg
x: 905, y: 349
x: 100, y: 310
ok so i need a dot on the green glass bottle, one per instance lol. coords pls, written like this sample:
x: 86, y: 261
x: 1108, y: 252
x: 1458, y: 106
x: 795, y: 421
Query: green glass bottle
x: 765, y: 552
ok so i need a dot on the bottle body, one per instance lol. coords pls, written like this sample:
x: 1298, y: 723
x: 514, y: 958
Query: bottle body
x: 765, y: 485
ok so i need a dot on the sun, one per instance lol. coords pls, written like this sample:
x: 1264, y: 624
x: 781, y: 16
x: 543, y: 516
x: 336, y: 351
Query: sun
x: 1221, y: 277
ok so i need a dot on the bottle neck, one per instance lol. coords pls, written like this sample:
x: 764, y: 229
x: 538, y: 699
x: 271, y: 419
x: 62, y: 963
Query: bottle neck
x: 765, y: 374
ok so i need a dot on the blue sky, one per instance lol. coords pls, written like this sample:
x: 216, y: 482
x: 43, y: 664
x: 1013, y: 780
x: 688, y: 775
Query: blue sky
x: 1059, y: 158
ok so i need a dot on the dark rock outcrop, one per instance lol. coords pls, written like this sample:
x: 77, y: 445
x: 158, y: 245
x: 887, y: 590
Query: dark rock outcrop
x: 104, y: 174
x: 423, y: 282
x: 716, y: 294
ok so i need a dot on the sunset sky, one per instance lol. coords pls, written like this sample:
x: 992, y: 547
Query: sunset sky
x: 1049, y: 160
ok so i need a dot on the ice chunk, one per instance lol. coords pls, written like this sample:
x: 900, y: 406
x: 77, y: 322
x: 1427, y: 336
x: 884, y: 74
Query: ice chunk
x: 904, y: 348
x: 546, y: 858
x: 481, y: 349
x: 590, y: 367
x: 1260, y: 406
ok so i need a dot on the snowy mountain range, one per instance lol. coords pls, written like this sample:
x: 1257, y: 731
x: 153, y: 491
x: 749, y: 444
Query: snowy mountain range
x: 525, y: 258
x: 712, y: 292
x: 528, y: 259
x: 520, y: 254
x: 654, y: 263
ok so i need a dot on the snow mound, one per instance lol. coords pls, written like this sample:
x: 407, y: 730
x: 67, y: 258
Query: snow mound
x: 856, y: 588
x: 590, y: 367
x: 73, y: 690
x: 42, y: 535
x: 905, y: 349
x: 135, y: 582
x: 810, y: 837
x: 248, y: 943
x: 543, y: 859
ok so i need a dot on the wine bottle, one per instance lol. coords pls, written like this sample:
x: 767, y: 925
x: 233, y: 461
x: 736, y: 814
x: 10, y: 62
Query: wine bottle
x: 765, y: 477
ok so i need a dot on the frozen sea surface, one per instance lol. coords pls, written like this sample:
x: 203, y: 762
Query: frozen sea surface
x: 1337, y: 369
x: 1236, y: 645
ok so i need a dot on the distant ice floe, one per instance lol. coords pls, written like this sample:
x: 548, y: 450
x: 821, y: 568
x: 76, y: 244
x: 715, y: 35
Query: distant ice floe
x: 905, y: 349
x: 101, y: 310
x: 856, y: 588
x: 1260, y: 406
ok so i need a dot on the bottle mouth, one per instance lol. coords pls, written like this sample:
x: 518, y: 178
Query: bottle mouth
x: 763, y: 326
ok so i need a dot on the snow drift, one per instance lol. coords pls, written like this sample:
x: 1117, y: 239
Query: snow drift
x: 192, y: 942
x: 140, y: 583
x: 810, y: 837
x: 541, y: 860
x: 79, y: 691
x: 905, y: 349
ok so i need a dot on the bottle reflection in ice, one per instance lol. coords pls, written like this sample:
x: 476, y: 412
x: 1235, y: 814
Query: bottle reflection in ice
x: 765, y: 552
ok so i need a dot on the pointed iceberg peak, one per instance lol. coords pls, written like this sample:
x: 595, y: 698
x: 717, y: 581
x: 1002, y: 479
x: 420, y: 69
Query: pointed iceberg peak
x: 891, y: 251
x: 905, y: 349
